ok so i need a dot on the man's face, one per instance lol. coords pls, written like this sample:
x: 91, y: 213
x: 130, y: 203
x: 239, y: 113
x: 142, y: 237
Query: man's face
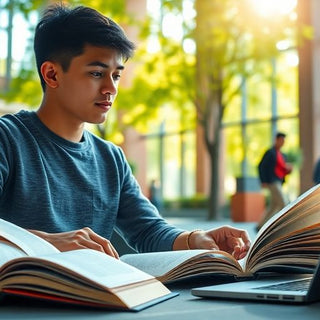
x: 279, y: 142
x: 85, y: 92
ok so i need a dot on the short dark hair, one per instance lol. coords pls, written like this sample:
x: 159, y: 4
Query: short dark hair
x: 280, y: 135
x: 62, y: 33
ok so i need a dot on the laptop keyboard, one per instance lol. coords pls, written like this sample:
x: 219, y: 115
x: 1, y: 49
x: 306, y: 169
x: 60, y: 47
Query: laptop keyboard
x: 299, y: 285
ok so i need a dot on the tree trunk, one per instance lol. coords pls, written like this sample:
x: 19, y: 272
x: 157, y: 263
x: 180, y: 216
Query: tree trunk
x: 214, y: 205
x: 209, y: 102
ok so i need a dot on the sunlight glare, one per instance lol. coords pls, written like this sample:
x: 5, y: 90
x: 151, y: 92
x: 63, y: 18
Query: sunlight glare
x: 268, y: 8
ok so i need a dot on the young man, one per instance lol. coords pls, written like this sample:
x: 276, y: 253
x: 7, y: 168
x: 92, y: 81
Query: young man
x: 273, y: 169
x: 64, y: 183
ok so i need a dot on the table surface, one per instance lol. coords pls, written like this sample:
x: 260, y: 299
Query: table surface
x: 185, y: 306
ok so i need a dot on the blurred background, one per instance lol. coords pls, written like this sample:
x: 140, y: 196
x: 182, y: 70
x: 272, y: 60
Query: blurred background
x: 211, y: 83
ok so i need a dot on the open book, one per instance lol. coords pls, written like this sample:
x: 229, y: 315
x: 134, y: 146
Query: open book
x: 30, y: 266
x: 288, y: 242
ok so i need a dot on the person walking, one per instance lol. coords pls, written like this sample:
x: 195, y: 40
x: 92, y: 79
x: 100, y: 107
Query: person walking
x: 273, y: 168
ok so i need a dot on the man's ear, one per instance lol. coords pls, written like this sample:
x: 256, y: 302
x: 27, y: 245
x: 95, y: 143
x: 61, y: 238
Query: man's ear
x: 49, y: 73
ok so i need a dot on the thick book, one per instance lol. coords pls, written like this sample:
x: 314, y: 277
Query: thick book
x: 32, y: 267
x: 288, y: 242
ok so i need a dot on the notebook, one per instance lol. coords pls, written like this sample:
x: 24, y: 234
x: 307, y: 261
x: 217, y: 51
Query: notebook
x: 292, y: 288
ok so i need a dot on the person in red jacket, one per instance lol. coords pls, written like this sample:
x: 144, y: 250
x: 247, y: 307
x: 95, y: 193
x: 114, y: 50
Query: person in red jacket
x: 273, y: 169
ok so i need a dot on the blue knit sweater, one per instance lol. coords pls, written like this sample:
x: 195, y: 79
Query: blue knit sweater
x: 54, y: 185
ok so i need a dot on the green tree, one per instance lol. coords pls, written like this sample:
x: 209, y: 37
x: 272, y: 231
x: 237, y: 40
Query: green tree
x: 232, y: 42
x: 232, y: 45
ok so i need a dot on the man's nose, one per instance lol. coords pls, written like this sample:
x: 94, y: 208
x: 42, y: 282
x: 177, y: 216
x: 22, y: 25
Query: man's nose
x: 109, y: 87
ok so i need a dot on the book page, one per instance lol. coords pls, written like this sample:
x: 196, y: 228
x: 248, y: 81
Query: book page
x: 159, y: 264
x: 298, y: 206
x: 307, y: 202
x: 8, y: 251
x: 86, y: 264
x: 31, y: 244
x: 82, y: 276
x: 300, y: 221
x: 297, y: 217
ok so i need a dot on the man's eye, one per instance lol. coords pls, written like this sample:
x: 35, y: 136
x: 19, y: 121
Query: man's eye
x: 116, y: 77
x: 96, y: 74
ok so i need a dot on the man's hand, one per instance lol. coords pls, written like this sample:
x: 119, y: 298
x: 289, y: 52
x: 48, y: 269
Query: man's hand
x: 289, y: 168
x: 226, y: 238
x: 78, y: 239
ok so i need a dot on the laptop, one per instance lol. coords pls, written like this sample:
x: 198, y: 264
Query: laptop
x: 294, y: 288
